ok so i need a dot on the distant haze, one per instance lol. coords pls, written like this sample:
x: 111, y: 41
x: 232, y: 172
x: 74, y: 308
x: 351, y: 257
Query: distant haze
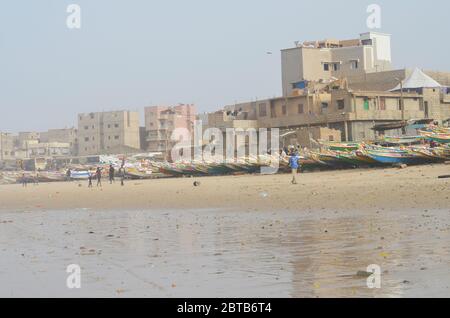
x: 132, y: 54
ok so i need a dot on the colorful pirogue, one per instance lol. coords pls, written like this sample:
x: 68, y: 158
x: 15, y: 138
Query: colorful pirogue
x: 432, y: 145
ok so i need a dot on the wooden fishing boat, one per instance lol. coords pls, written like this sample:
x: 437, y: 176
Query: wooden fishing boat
x: 395, y: 157
x: 342, y: 146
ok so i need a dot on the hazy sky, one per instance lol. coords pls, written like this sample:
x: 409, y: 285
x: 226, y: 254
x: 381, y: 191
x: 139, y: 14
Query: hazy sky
x: 136, y: 53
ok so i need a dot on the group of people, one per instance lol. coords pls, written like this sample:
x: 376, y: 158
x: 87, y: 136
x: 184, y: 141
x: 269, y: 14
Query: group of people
x: 98, y: 176
x: 34, y: 178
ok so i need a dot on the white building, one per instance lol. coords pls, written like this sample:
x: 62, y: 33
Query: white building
x: 333, y: 59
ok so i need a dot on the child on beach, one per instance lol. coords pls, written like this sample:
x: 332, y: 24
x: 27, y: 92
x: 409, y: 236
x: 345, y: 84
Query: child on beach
x: 293, y: 163
x: 98, y: 174
x: 90, y: 180
x: 111, y: 174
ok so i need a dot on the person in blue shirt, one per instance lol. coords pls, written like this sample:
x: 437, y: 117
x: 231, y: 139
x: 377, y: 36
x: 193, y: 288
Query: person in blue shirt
x: 293, y: 163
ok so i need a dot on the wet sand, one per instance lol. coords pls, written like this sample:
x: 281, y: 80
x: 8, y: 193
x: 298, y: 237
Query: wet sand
x: 247, y: 236
x: 224, y: 253
x: 412, y: 187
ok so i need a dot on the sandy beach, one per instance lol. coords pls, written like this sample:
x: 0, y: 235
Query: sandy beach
x: 413, y: 187
x: 238, y: 236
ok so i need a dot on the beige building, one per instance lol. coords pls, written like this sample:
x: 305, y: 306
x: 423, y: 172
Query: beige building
x: 353, y: 113
x: 7, y: 147
x: 65, y: 135
x: 161, y: 121
x: 48, y: 149
x: 334, y: 59
x: 108, y: 133
x: 24, y: 139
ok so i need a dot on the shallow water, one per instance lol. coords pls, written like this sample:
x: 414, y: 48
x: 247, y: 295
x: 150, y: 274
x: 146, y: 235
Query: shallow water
x: 223, y: 253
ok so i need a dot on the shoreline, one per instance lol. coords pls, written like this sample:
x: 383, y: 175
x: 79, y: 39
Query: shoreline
x: 379, y: 188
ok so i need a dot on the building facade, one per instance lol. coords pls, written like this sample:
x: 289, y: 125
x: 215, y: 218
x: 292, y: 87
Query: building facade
x: 161, y: 121
x: 108, y: 133
x: 353, y: 113
x: 65, y: 135
x: 334, y: 59
x: 7, y: 146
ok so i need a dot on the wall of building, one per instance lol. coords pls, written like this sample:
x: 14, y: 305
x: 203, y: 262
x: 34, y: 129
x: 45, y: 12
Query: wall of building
x: 65, y: 135
x: 161, y: 121
x: 108, y: 132
x: 6, y: 146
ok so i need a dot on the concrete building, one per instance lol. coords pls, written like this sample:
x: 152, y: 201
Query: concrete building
x: 48, y: 149
x: 333, y: 59
x: 108, y: 133
x: 24, y: 139
x: 161, y: 121
x: 354, y: 113
x: 7, y: 146
x: 65, y: 135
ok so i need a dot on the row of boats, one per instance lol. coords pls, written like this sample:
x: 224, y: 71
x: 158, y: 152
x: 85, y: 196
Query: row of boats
x: 432, y: 145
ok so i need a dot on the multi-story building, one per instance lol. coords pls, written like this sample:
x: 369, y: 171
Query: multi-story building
x: 108, y: 133
x: 353, y: 112
x: 161, y: 121
x: 334, y: 59
x: 65, y: 135
x: 48, y: 149
x: 7, y: 146
x: 24, y: 139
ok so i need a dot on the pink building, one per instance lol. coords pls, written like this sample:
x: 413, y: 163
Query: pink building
x: 160, y: 122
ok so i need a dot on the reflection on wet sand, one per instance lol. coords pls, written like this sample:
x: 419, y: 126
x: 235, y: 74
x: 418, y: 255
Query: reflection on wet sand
x: 223, y: 253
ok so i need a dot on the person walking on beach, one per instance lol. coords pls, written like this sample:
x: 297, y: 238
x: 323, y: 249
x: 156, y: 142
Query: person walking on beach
x: 36, y: 178
x: 24, y: 180
x: 122, y: 175
x: 90, y: 179
x: 293, y: 163
x: 98, y: 174
x: 111, y: 174
x: 68, y: 174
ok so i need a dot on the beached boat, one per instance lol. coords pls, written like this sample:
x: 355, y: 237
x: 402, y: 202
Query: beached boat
x: 409, y: 158
x: 337, y: 146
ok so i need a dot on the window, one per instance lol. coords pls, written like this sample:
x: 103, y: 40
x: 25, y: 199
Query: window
x: 301, y: 109
x: 366, y: 104
x: 93, y: 127
x: 324, y: 105
x: 93, y: 138
x: 86, y: 127
x: 340, y: 104
x: 283, y: 109
x: 326, y: 67
x: 116, y: 137
x: 262, y: 110
x: 273, y: 113
x: 421, y: 108
x: 354, y: 65
x: 330, y: 138
x: 382, y: 103
x: 399, y: 104
x: 336, y: 67
x: 116, y: 125
x: 109, y: 126
x: 86, y: 138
